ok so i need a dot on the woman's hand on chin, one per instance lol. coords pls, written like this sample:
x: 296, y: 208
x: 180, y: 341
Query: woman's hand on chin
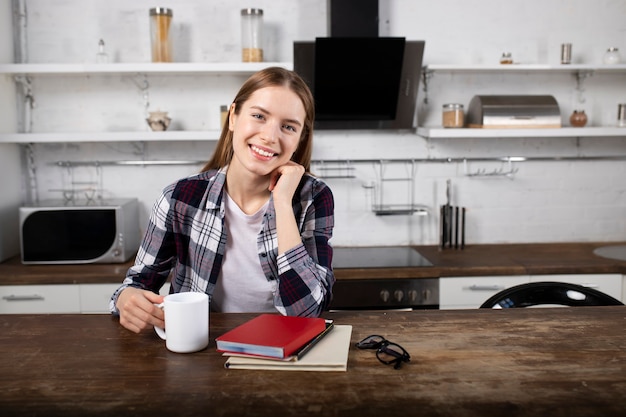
x: 284, y: 181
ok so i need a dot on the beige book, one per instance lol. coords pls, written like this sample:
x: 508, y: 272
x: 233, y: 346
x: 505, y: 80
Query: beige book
x: 329, y: 354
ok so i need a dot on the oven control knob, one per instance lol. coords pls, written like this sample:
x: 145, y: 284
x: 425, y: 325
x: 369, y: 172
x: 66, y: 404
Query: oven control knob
x: 398, y: 295
x: 384, y: 295
x: 412, y: 296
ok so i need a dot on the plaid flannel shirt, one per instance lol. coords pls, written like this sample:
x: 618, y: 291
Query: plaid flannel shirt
x: 186, y: 238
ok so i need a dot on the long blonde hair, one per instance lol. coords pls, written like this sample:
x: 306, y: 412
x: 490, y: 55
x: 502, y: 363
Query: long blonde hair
x: 269, y: 77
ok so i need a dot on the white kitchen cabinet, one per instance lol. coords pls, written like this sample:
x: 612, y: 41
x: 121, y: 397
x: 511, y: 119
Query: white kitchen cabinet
x: 59, y: 299
x: 94, y: 298
x: 471, y: 292
x: 39, y: 299
x: 610, y: 284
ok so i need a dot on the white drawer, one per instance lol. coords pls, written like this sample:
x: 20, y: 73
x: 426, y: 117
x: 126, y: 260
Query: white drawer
x: 471, y: 292
x: 95, y: 298
x: 27, y: 299
x: 610, y: 284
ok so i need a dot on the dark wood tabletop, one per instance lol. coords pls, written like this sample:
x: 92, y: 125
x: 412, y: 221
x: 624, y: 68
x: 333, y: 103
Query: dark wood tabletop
x: 515, y: 362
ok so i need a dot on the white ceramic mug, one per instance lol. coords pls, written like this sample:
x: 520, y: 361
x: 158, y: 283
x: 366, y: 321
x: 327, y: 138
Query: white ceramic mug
x: 186, y: 321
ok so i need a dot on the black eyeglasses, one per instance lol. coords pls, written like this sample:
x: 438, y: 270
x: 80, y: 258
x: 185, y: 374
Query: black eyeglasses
x: 387, y: 352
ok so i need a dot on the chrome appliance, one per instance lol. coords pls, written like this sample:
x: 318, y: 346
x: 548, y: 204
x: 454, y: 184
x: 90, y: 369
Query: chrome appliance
x: 513, y: 111
x: 67, y: 232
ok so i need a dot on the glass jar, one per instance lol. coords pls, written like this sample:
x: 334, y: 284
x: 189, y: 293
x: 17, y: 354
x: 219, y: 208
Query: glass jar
x: 611, y: 56
x: 506, y: 58
x: 453, y: 115
x: 101, y: 56
x: 223, y: 115
x: 160, y: 22
x: 252, y: 35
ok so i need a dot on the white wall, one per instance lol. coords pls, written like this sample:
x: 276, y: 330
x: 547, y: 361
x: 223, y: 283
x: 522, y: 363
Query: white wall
x: 551, y: 201
x: 10, y: 179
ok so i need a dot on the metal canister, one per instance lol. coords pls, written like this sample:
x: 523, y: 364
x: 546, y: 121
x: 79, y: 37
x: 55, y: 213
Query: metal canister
x: 566, y: 53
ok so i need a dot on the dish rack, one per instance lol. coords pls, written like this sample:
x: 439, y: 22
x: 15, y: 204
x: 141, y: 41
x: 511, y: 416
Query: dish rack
x: 382, y: 193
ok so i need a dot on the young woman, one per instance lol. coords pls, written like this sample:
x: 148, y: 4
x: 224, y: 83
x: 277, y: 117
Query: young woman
x: 252, y: 229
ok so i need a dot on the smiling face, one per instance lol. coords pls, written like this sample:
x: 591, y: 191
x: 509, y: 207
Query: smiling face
x: 266, y: 130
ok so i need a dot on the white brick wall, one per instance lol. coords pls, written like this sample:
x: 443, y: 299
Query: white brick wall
x: 552, y: 201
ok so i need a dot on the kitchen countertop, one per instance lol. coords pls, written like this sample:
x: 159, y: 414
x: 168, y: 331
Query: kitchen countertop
x: 501, y: 259
x: 474, y: 260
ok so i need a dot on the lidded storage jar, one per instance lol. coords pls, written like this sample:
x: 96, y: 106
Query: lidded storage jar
x: 611, y: 56
x: 578, y: 118
x: 506, y: 58
x: 453, y: 115
x: 160, y: 22
x: 252, y: 35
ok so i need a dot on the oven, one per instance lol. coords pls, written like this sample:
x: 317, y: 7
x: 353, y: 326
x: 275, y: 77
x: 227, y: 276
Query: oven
x: 378, y: 292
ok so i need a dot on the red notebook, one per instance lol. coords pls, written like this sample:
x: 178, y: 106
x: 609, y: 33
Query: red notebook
x: 271, y: 335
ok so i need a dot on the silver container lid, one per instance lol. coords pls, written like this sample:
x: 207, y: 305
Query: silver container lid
x: 248, y: 12
x: 161, y: 11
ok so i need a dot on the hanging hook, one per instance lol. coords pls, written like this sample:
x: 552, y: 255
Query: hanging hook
x: 426, y: 76
x: 581, y: 76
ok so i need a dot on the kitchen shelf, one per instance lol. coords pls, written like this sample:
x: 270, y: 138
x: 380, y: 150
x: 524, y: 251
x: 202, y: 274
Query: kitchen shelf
x: 467, y: 133
x: 140, y: 68
x: 525, y: 68
x: 175, y: 135
x: 579, y: 70
x: 173, y: 68
x: 399, y: 209
x: 213, y: 135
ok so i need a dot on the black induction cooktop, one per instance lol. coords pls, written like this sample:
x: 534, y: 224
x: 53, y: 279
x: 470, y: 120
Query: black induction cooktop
x: 378, y: 257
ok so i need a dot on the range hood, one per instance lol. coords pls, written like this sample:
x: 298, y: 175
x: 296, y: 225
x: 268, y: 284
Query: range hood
x: 353, y: 18
x: 360, y: 80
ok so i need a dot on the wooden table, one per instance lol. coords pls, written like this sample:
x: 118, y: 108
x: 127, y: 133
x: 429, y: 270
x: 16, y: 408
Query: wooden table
x: 517, y: 362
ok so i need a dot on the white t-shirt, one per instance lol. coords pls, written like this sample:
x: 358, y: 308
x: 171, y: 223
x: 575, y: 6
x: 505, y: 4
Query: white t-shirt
x: 242, y: 285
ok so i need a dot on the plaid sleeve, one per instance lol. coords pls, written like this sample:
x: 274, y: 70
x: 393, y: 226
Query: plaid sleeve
x: 156, y: 255
x: 305, y: 274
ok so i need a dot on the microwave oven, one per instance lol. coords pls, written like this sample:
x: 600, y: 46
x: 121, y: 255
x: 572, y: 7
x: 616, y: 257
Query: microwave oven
x: 70, y: 232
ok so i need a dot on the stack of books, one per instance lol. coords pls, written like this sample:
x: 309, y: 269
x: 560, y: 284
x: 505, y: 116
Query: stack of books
x: 273, y: 341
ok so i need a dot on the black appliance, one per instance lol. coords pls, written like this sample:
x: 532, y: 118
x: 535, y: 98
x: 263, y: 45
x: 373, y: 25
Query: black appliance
x: 353, y: 18
x: 387, y: 292
x: 362, y: 82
